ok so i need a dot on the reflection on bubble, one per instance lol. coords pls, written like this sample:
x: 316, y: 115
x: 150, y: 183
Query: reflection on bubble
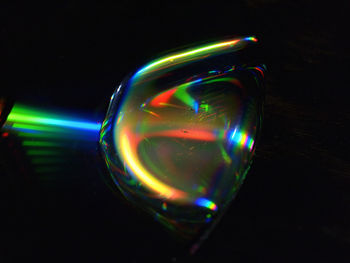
x: 180, y: 133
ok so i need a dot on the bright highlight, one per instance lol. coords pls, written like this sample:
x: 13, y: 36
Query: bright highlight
x: 129, y: 154
x: 206, y: 203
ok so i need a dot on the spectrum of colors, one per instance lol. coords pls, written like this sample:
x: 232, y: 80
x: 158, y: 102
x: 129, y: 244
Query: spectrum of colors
x: 40, y: 124
x: 23, y: 116
x: 48, y: 137
x: 206, y: 203
x: 180, y: 132
x: 241, y: 138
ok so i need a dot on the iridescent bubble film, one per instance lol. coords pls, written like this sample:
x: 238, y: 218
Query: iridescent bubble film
x: 180, y: 132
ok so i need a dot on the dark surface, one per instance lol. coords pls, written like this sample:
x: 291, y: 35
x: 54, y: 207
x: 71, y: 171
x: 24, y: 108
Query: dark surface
x: 295, y: 203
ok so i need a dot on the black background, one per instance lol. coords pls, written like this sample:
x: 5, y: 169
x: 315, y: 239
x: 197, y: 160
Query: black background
x: 294, y: 205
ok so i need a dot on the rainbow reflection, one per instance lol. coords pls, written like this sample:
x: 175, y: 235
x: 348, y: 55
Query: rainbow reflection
x: 26, y: 116
x: 206, y: 203
x: 180, y: 132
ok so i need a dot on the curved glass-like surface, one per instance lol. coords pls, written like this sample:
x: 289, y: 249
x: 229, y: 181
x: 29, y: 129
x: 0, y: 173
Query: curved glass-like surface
x: 180, y: 132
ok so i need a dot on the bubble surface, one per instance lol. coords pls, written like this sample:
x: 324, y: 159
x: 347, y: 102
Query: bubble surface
x: 180, y: 132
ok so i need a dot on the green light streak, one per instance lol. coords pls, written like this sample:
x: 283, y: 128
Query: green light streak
x: 182, y: 94
x: 36, y: 127
x: 21, y: 114
x: 40, y: 144
x: 219, y: 80
x: 41, y: 135
x: 19, y: 109
x: 224, y: 154
x: 186, y: 98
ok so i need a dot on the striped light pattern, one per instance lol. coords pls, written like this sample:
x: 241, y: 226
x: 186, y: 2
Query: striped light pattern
x: 241, y: 138
x: 47, y: 137
x: 26, y: 116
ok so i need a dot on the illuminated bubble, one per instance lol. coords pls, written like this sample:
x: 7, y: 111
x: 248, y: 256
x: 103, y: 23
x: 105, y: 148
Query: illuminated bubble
x: 180, y: 132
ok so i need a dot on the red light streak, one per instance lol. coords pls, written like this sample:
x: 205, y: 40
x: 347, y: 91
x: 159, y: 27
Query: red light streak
x: 185, y: 134
x: 162, y: 98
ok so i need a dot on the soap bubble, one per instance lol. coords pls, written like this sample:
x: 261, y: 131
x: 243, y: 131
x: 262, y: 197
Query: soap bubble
x: 180, y: 132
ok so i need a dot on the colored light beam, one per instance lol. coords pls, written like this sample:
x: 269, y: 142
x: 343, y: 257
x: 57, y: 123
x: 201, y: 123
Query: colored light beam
x: 15, y: 117
x: 254, y: 39
x: 40, y: 144
x: 244, y: 139
x: 206, y: 203
x: 240, y: 138
x: 251, y: 143
x: 189, y: 53
x: 20, y: 114
x: 30, y: 127
x: 181, y: 93
x: 198, y: 51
